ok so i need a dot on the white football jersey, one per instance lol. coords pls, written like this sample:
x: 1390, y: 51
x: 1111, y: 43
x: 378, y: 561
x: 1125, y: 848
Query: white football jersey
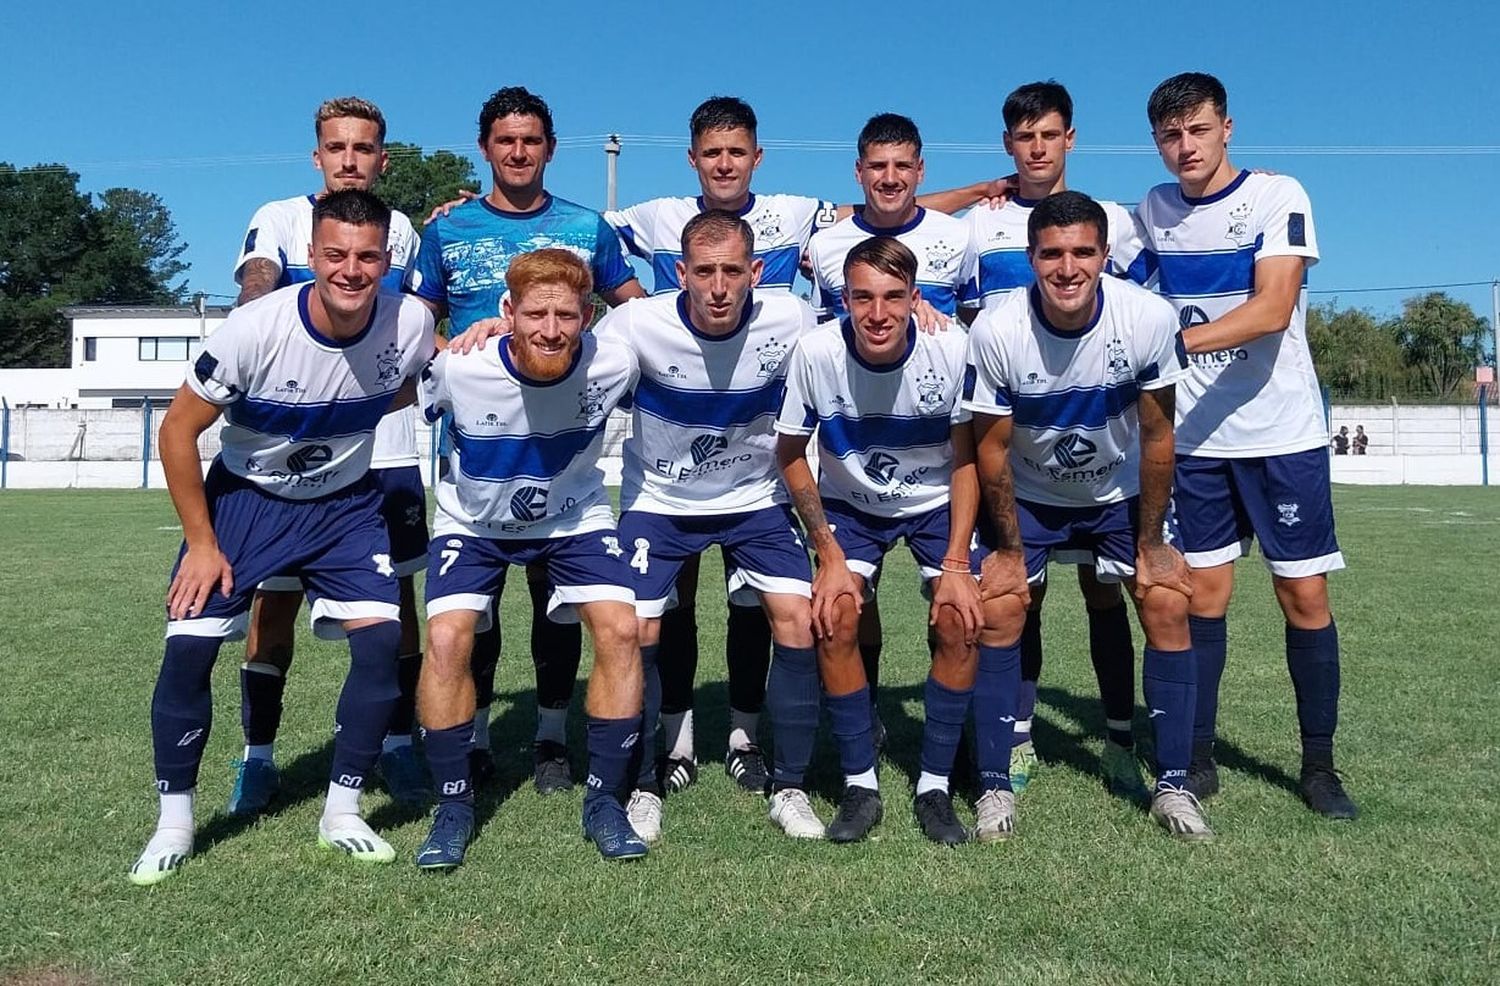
x: 782, y: 226
x: 1261, y: 398
x: 702, y: 440
x: 884, y: 432
x: 281, y: 232
x: 946, y: 261
x: 1000, y: 241
x: 301, y: 407
x: 1072, y: 395
x: 525, y: 458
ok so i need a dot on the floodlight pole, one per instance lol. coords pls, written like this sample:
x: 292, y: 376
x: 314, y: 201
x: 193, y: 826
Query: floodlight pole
x: 611, y: 165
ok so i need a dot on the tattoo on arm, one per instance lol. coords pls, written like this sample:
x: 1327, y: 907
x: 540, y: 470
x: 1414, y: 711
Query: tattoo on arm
x: 258, y: 278
x: 810, y: 508
x: 1000, y: 496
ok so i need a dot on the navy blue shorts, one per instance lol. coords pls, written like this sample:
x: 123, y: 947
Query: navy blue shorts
x: 865, y: 539
x: 466, y: 572
x: 403, y: 504
x: 1284, y: 500
x: 335, y: 546
x: 763, y: 552
x: 1105, y: 533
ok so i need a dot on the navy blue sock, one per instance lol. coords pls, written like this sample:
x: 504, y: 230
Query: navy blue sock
x: 1312, y: 656
x: 996, y: 688
x: 747, y: 649
x: 260, y: 704
x: 1210, y: 643
x: 646, y: 771
x: 1031, y: 664
x: 182, y: 711
x: 613, y: 746
x: 946, y: 711
x: 556, y: 649
x: 404, y: 715
x: 364, y: 710
x: 1113, y: 655
x: 853, y: 730
x: 1168, y: 678
x: 792, y: 694
x: 448, y: 759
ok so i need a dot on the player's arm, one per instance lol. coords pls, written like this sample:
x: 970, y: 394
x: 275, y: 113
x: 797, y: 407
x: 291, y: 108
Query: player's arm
x: 1157, y: 563
x: 617, y: 296
x: 1278, y: 285
x: 257, y: 277
x: 203, y: 566
x: 833, y: 578
x: 1004, y: 570
x: 956, y: 586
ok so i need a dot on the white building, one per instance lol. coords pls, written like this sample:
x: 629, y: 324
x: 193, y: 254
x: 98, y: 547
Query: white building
x: 121, y: 355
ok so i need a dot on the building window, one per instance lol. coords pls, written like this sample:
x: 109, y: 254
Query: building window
x: 90, y: 349
x: 148, y: 349
x: 168, y: 348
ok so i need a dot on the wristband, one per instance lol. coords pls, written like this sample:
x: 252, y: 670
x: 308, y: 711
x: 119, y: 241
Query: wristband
x: 956, y: 566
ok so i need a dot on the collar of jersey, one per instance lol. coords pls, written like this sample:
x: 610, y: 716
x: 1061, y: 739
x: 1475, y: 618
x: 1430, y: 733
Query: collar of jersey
x: 847, y: 328
x: 682, y: 313
x: 1224, y: 192
x: 906, y: 227
x: 745, y: 211
x: 1034, y: 297
x: 1023, y: 202
x: 484, y: 200
x: 319, y: 337
x: 515, y: 371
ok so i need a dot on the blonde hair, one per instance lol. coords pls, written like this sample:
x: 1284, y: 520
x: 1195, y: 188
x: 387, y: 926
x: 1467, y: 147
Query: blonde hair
x: 548, y: 266
x: 347, y: 106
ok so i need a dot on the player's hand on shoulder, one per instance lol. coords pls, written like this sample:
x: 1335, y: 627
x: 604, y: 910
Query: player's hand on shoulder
x: 998, y: 191
x: 929, y: 319
x: 1003, y: 573
x: 959, y: 590
x: 464, y: 195
x: 474, y: 336
x: 200, y: 572
x: 1161, y: 566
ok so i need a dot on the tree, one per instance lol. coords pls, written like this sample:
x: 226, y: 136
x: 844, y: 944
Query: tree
x: 415, y: 182
x: 1355, y: 355
x: 1442, y: 341
x: 58, y: 249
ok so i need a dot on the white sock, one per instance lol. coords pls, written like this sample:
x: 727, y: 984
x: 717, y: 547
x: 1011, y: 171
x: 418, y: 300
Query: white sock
x: 678, y: 727
x: 261, y: 751
x: 394, y: 742
x: 931, y: 782
x: 552, y: 725
x: 341, y: 801
x: 482, y: 728
x: 176, y: 812
x: 864, y: 779
x: 742, y: 728
x: 1024, y: 726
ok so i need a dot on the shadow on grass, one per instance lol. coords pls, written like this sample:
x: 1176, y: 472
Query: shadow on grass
x: 302, y: 779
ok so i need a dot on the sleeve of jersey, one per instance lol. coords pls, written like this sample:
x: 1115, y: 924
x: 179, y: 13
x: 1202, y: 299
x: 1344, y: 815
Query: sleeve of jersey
x: 404, y: 254
x: 425, y: 332
x: 798, y: 416
x: 432, y: 389
x: 826, y: 214
x: 986, y: 382
x: 969, y: 295
x: 425, y: 278
x: 610, y: 268
x: 1287, y: 223
x: 1125, y: 243
x: 1165, y: 361
x: 822, y: 301
x: 218, y: 374
x: 1143, y: 266
x: 632, y: 225
x: 262, y: 241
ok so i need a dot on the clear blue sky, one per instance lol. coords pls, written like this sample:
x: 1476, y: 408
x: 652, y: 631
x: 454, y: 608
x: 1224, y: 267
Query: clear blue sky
x: 210, y: 105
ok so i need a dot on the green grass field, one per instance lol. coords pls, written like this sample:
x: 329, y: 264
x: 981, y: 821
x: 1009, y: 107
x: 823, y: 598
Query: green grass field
x: 1090, y: 891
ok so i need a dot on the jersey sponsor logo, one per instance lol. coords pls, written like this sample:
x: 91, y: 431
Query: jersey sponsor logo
x: 529, y: 503
x: 1073, y: 451
x: 1288, y: 514
x: 490, y: 420
x: 308, y: 458
x: 881, y: 468
x: 705, y: 447
x: 591, y: 402
x: 672, y: 372
x: 290, y: 387
x: 1073, y: 459
x: 388, y: 364
x: 770, y: 354
x: 884, y: 470
x: 1035, y: 379
x: 1191, y: 315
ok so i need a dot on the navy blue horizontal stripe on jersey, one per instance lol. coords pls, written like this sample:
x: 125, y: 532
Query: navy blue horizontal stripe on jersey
x: 940, y: 296
x: 1002, y: 270
x: 505, y: 457
x: 1143, y: 267
x: 664, y: 272
x: 1196, y: 275
x: 306, y: 422
x: 780, y: 266
x: 842, y: 435
x: 721, y: 409
x: 628, y: 236
x: 1077, y: 407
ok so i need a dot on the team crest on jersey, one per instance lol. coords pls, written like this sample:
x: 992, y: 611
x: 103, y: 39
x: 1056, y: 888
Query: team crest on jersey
x: 591, y: 402
x: 768, y: 226
x: 930, y: 392
x: 770, y: 355
x: 612, y: 546
x: 388, y: 364
x: 1239, y: 223
x: 940, y: 257
x: 529, y: 503
x: 1288, y: 514
x: 1116, y: 360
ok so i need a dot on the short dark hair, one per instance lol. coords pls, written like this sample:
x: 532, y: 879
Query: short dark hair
x: 515, y: 101
x: 722, y: 113
x: 715, y: 225
x: 1066, y: 209
x: 889, y: 128
x: 885, y: 254
x: 1181, y: 94
x: 352, y: 206
x: 1035, y: 100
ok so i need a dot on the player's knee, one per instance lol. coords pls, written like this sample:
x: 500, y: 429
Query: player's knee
x: 949, y: 632
x: 1211, y: 590
x: 1164, y: 614
x: 791, y: 624
x: 1304, y: 601
x: 615, y: 633
x: 448, y: 645
x: 1004, y: 617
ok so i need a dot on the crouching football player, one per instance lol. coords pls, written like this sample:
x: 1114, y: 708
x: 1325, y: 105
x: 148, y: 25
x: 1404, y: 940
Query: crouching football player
x: 523, y: 487
x: 304, y: 376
